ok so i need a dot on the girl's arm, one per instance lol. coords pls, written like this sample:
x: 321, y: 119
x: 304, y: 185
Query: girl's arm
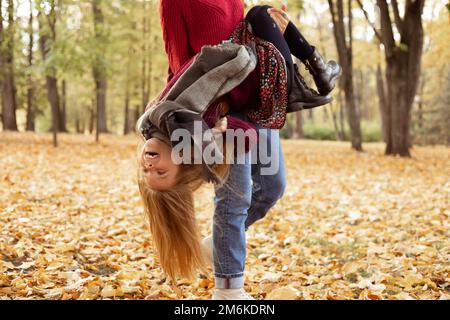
x: 217, y: 119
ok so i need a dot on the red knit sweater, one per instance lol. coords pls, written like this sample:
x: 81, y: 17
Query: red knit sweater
x: 188, y: 25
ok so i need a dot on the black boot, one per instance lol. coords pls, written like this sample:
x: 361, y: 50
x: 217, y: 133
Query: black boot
x: 301, y: 96
x: 325, y: 74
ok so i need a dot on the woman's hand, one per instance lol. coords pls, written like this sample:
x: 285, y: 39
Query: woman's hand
x: 280, y: 17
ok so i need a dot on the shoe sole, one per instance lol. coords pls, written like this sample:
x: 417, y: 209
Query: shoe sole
x: 315, y: 105
x: 298, y: 106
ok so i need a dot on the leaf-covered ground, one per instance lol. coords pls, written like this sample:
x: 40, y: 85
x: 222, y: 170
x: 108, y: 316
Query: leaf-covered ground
x: 351, y: 226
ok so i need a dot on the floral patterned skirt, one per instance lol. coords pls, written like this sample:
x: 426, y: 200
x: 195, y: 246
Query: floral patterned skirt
x: 273, y: 83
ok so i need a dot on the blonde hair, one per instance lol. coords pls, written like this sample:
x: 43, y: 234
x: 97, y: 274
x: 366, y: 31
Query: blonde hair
x: 173, y: 225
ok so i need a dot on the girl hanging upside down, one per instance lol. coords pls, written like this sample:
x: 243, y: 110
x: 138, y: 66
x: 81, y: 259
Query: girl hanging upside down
x: 249, y: 80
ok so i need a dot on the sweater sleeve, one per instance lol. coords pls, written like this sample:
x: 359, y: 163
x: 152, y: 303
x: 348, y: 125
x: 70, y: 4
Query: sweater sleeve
x: 175, y: 34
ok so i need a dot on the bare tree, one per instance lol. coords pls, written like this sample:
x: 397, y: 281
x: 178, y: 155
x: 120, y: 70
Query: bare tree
x: 30, y: 126
x: 146, y: 29
x: 403, y: 66
x: 47, y: 38
x: 9, y: 91
x: 99, y: 68
x: 126, y: 111
x: 2, y: 41
x: 337, y: 132
x: 382, y: 102
x: 297, y: 127
x: 92, y: 117
x: 345, y: 52
x: 63, y: 113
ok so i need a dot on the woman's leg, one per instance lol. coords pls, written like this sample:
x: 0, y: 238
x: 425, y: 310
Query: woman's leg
x: 240, y: 203
x: 232, y: 202
x: 268, y: 174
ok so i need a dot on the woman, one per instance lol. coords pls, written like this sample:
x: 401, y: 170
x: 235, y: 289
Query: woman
x: 188, y: 25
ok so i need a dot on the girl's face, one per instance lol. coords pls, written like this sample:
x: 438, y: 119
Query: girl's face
x: 159, y: 170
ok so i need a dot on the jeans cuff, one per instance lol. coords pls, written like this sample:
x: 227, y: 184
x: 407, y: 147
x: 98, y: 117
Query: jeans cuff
x: 229, y: 283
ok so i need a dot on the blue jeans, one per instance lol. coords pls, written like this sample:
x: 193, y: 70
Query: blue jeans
x: 245, y: 198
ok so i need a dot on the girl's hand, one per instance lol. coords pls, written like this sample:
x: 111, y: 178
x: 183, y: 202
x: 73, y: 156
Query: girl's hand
x: 221, y: 126
x: 280, y: 17
x: 224, y: 105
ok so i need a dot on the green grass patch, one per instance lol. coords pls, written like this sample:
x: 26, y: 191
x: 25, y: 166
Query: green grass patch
x: 371, y: 131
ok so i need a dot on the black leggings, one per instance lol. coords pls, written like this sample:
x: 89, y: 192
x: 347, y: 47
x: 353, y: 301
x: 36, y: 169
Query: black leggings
x: 292, y: 43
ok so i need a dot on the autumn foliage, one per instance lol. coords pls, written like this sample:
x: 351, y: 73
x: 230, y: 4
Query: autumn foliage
x: 351, y: 225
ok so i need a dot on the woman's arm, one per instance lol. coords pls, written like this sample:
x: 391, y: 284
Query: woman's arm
x: 176, y: 38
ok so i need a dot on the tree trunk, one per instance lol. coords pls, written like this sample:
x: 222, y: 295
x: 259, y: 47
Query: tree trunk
x: 326, y: 116
x: 127, y: 118
x: 353, y: 117
x: 150, y: 65
x: 30, y: 126
x: 345, y: 53
x: 78, y: 125
x: 299, y: 123
x: 403, y: 65
x: 9, y: 91
x: 145, y: 56
x: 99, y: 70
x: 137, y: 113
x: 91, y: 118
x: 398, y: 111
x: 100, y: 88
x: 297, y: 130
x: 82, y: 126
x: 341, y: 114
x: 47, y: 38
x: 382, y: 103
x: 126, y: 127
x: 1, y: 60
x: 63, y: 113
x: 311, y: 115
x: 53, y: 98
x: 420, y: 119
x: 337, y: 132
x: 362, y: 99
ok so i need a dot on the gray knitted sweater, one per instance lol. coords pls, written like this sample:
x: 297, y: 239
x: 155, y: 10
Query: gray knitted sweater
x: 214, y: 72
